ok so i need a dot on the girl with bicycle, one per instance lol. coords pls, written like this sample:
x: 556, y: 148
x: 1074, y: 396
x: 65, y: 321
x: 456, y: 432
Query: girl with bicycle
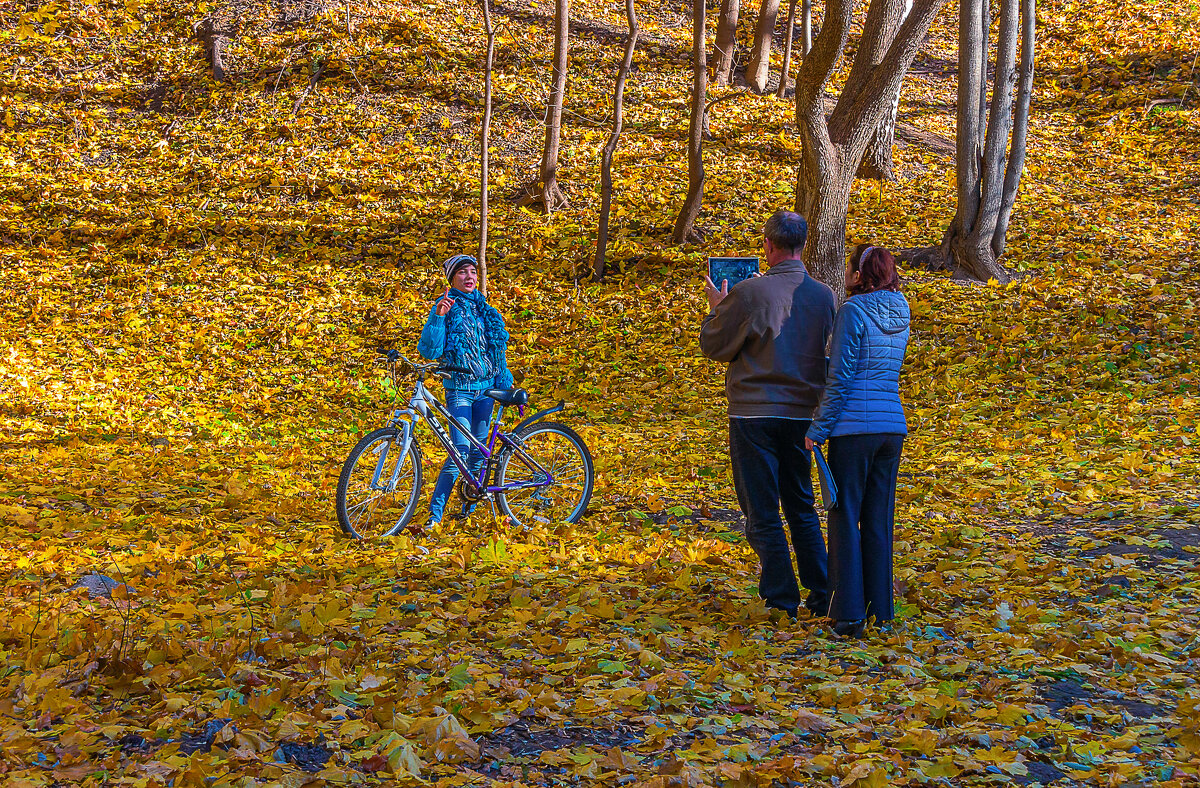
x: 466, y: 332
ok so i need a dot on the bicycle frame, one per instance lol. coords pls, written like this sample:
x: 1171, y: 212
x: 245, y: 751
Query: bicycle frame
x: 424, y: 405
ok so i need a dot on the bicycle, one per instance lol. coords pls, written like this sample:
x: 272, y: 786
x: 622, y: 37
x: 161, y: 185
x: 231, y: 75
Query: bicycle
x: 540, y: 472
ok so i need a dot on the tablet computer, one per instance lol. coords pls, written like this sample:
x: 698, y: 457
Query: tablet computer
x: 731, y: 269
x: 829, y: 491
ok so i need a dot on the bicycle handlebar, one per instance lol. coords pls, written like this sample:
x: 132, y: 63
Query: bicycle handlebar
x: 393, y: 356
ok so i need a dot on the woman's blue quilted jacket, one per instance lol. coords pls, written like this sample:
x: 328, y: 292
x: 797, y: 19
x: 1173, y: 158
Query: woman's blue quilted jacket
x: 862, y: 389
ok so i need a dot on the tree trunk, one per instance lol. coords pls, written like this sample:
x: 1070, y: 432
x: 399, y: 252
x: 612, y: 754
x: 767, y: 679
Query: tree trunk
x: 832, y: 146
x: 824, y: 198
x: 611, y: 146
x: 787, y: 51
x: 759, y: 70
x: 806, y: 24
x: 686, y: 221
x: 726, y: 41
x: 484, y: 135
x: 991, y: 136
x: 877, y: 161
x: 546, y: 190
x: 215, y: 30
x: 1016, y: 157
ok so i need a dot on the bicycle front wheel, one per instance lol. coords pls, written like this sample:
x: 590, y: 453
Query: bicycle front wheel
x: 551, y: 473
x: 369, y: 504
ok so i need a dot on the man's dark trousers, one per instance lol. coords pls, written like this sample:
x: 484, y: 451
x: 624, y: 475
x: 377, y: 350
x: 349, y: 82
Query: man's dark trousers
x: 865, y: 468
x: 770, y: 467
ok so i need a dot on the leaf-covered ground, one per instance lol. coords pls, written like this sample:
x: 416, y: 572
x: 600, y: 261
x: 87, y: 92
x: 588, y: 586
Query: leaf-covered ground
x: 194, y: 277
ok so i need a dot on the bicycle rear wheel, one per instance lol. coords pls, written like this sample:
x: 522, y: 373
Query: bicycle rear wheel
x: 562, y: 454
x: 368, y: 506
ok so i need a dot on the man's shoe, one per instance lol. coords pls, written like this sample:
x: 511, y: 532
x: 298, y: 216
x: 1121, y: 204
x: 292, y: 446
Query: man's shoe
x: 850, y: 629
x: 818, y: 607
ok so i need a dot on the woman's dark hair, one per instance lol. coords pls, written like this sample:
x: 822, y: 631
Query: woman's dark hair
x: 876, y: 269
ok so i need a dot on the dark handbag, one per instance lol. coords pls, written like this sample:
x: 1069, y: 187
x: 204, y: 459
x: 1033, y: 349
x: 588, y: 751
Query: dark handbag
x: 829, y: 490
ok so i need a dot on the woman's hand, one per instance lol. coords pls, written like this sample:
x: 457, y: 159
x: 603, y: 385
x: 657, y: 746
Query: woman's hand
x: 444, y: 304
x: 808, y: 443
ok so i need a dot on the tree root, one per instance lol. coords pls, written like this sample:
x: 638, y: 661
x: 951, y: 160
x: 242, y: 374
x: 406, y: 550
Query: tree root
x: 933, y: 260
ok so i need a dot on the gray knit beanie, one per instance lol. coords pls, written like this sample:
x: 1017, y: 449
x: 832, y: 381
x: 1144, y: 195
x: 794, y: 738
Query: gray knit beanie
x: 456, y: 262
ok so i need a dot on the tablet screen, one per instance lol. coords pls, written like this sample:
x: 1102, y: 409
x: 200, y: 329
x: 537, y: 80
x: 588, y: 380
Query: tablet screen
x: 731, y: 269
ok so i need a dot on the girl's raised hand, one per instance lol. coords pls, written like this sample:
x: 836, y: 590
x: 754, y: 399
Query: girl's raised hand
x: 444, y: 304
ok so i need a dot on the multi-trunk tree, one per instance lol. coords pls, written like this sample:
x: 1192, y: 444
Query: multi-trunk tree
x: 832, y: 145
x: 991, y: 135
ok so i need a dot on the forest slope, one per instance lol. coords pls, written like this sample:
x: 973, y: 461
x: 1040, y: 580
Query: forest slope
x: 195, y: 277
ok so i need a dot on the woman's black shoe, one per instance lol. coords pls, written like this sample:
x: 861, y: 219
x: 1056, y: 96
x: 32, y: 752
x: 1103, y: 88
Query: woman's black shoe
x: 850, y: 629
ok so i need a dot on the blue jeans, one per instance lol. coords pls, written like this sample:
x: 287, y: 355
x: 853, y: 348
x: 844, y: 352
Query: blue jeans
x: 472, y: 411
x: 860, y: 528
x: 770, y: 467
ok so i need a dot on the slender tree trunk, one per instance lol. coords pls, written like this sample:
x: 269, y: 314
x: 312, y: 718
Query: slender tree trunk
x: 484, y: 135
x: 545, y: 189
x: 686, y: 221
x: 806, y: 24
x: 611, y: 146
x: 726, y: 40
x: 787, y: 51
x: 986, y: 26
x: 759, y: 70
x: 991, y: 135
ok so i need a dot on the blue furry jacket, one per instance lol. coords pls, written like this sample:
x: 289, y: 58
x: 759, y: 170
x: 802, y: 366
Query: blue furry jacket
x: 471, y: 336
x: 862, y: 389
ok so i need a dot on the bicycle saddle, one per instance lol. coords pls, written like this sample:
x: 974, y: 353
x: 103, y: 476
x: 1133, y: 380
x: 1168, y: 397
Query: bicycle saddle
x: 508, y: 397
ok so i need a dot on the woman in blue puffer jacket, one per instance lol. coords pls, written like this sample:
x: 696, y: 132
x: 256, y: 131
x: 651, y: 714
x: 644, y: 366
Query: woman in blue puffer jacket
x: 465, y: 331
x: 862, y: 418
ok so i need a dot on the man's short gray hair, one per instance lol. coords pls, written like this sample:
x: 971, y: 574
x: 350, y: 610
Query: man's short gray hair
x: 786, y: 230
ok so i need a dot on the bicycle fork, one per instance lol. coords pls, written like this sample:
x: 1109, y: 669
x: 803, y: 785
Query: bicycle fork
x: 406, y: 432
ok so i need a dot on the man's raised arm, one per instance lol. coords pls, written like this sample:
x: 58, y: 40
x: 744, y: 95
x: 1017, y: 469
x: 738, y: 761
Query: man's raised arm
x: 723, y: 331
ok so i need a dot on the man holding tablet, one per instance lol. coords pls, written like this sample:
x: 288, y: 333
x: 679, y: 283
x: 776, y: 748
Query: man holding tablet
x: 771, y: 331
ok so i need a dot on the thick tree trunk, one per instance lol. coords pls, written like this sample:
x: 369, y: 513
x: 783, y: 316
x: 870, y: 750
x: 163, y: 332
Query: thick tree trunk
x: 686, y: 221
x: 823, y: 200
x: 726, y: 41
x: 781, y: 91
x: 991, y: 136
x: 484, y: 135
x: 611, y: 146
x: 759, y: 70
x: 546, y: 190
